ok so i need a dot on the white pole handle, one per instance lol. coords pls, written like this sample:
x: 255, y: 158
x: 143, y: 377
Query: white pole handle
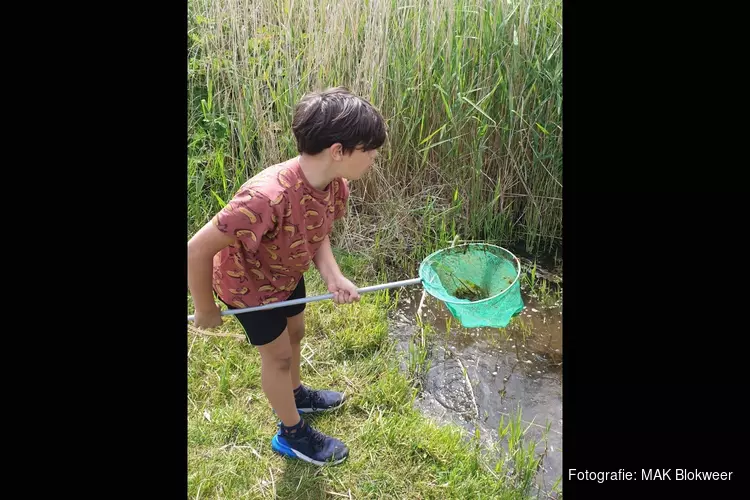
x: 286, y: 303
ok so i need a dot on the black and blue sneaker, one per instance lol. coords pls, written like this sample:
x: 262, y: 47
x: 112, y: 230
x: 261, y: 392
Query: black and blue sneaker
x: 305, y: 443
x: 312, y: 400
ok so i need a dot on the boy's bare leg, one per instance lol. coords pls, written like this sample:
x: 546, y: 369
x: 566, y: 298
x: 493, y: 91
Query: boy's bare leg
x: 276, y: 362
x: 296, y: 327
x: 307, y: 399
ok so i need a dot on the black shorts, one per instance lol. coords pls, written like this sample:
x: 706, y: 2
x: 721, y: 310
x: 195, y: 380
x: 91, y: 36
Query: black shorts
x: 263, y: 327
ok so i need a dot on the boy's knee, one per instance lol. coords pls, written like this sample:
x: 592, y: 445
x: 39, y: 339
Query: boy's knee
x: 296, y: 334
x: 281, y: 361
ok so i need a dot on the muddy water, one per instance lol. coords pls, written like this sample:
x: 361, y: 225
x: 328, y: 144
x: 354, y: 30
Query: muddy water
x: 516, y: 367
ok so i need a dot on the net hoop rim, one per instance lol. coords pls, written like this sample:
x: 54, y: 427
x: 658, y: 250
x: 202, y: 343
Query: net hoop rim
x: 474, y: 244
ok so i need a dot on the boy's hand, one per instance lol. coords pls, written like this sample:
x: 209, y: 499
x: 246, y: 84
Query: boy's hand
x: 343, y: 290
x: 208, y: 318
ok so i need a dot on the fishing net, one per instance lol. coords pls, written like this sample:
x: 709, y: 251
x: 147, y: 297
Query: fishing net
x: 479, y: 283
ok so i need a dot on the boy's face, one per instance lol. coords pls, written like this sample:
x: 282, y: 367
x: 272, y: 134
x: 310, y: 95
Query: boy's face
x: 355, y: 165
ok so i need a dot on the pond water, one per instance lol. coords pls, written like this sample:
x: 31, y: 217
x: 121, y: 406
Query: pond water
x: 477, y: 376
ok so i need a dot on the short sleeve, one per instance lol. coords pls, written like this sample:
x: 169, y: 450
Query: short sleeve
x: 341, y: 198
x: 246, y: 217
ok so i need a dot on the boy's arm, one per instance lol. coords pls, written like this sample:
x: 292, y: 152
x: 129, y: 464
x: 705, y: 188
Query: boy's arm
x: 202, y: 247
x: 343, y: 290
x: 246, y: 218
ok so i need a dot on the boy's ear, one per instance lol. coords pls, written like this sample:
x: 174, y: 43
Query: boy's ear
x: 337, y: 151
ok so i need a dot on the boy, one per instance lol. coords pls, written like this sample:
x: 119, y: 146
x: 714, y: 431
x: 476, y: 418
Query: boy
x: 256, y: 249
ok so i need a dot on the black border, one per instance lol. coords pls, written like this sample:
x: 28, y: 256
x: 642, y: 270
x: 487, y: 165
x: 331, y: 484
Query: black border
x: 653, y: 323
x: 122, y: 384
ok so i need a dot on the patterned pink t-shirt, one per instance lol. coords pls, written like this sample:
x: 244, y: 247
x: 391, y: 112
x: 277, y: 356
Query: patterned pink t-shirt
x: 279, y: 221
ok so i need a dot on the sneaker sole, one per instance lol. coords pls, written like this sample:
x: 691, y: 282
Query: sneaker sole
x: 302, y: 411
x: 286, y: 451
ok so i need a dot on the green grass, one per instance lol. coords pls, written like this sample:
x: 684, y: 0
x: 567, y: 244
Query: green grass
x: 395, y: 451
x: 548, y: 291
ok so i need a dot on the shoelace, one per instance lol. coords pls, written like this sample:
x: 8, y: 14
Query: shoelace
x: 317, y: 437
x: 315, y: 398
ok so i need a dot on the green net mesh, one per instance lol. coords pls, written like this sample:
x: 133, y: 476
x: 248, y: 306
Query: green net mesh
x: 478, y: 282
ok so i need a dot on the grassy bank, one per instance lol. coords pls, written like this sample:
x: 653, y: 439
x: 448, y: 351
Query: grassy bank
x: 395, y: 451
x: 471, y: 90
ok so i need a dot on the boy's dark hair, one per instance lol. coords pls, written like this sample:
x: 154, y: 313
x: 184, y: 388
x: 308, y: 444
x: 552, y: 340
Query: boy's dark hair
x: 322, y: 119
